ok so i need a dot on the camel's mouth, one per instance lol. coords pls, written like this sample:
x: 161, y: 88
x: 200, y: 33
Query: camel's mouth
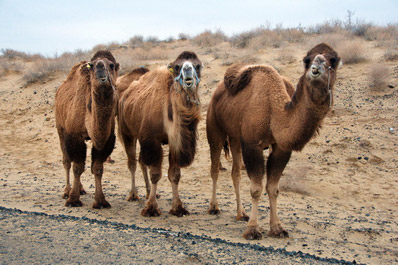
x: 103, y: 80
x: 189, y: 82
x: 316, y: 71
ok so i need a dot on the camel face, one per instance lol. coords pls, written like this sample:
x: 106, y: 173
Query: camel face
x: 186, y: 70
x: 321, y: 65
x: 104, y: 72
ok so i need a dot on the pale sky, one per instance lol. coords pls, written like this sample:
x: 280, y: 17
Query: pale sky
x: 51, y: 26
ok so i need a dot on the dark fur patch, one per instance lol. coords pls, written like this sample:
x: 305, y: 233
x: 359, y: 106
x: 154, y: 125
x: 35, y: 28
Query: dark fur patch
x: 141, y: 70
x: 151, y: 152
x: 102, y: 155
x: 253, y: 159
x: 188, y: 143
x: 234, y: 84
x: 75, y: 148
x: 89, y: 104
x: 170, y: 111
x: 103, y: 54
x: 187, y: 55
x: 277, y: 162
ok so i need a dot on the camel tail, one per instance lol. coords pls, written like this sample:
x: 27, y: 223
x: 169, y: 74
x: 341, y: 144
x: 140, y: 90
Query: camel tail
x: 235, y: 83
x: 226, y: 149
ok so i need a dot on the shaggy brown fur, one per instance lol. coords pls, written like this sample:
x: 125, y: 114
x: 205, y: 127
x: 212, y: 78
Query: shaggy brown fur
x: 84, y: 110
x: 254, y: 107
x: 124, y: 81
x: 157, y: 110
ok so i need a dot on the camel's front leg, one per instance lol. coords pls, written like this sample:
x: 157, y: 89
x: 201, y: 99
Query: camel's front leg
x: 74, y: 194
x: 236, y: 176
x: 254, y: 162
x: 174, y: 175
x: 98, y: 157
x: 215, y: 152
x: 275, y: 165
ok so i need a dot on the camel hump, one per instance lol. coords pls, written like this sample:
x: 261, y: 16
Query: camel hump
x: 238, y: 76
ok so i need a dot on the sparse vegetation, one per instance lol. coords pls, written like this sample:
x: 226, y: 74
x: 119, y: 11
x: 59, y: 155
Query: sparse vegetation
x: 378, y: 77
x: 348, y: 36
x: 352, y: 52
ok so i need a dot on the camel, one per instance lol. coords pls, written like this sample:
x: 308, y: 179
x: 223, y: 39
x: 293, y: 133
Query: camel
x: 162, y: 107
x: 85, y: 110
x: 252, y: 107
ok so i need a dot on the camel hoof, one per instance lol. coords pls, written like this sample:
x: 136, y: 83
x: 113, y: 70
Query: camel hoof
x: 253, y: 233
x: 150, y: 212
x: 102, y: 204
x: 133, y: 197
x: 214, y: 211
x: 179, y: 212
x: 244, y: 217
x: 278, y: 234
x: 65, y: 196
x: 74, y: 203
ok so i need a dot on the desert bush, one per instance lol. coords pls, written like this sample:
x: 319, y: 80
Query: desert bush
x: 7, y: 65
x: 378, y: 76
x: 208, y: 38
x: 183, y: 36
x: 242, y: 40
x: 327, y: 27
x: 352, y: 52
x: 286, y: 56
x: 391, y: 54
x: 135, y: 41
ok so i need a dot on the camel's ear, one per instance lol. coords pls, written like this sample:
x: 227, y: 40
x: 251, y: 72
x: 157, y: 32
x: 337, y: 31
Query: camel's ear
x: 307, y: 61
x: 90, y: 66
x: 335, y: 62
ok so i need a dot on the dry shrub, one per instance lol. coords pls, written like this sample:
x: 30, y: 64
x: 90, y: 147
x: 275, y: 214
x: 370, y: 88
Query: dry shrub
x: 378, y: 76
x: 6, y: 66
x: 42, y: 69
x: 286, y: 56
x: 332, y: 39
x: 208, y: 38
x: 184, y: 36
x: 352, y: 52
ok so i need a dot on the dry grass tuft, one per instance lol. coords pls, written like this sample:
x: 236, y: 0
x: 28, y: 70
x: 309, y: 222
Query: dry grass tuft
x: 286, y: 56
x: 208, y: 38
x: 352, y: 52
x: 378, y: 77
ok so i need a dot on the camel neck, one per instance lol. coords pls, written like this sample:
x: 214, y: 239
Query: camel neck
x: 303, y: 118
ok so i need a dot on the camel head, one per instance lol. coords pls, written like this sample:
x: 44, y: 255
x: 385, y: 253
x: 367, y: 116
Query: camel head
x: 103, y: 70
x: 186, y: 71
x: 321, y: 64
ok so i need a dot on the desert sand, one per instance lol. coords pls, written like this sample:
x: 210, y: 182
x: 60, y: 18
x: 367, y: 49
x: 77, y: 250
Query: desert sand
x: 339, y: 196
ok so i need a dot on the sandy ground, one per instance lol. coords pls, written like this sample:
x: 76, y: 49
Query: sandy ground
x: 339, y: 195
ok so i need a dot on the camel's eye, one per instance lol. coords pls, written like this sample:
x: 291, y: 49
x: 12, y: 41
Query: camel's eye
x: 112, y: 66
x: 333, y: 62
x: 176, y: 68
x: 197, y: 67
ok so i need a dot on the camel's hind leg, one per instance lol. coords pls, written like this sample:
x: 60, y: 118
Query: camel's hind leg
x: 151, y: 154
x: 67, y: 166
x: 174, y: 175
x: 144, y: 170
x: 98, y: 157
x: 130, y: 146
x: 74, y: 149
x: 275, y: 165
x: 236, y: 177
x: 254, y: 162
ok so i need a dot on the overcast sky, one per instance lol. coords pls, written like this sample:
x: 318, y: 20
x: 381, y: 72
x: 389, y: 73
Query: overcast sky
x: 51, y: 26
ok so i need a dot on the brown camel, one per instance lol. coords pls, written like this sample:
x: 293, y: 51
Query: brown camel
x: 122, y: 83
x: 162, y: 107
x: 85, y: 110
x: 252, y: 107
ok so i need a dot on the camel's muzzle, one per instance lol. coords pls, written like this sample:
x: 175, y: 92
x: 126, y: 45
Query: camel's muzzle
x: 188, y: 77
x: 318, y: 66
